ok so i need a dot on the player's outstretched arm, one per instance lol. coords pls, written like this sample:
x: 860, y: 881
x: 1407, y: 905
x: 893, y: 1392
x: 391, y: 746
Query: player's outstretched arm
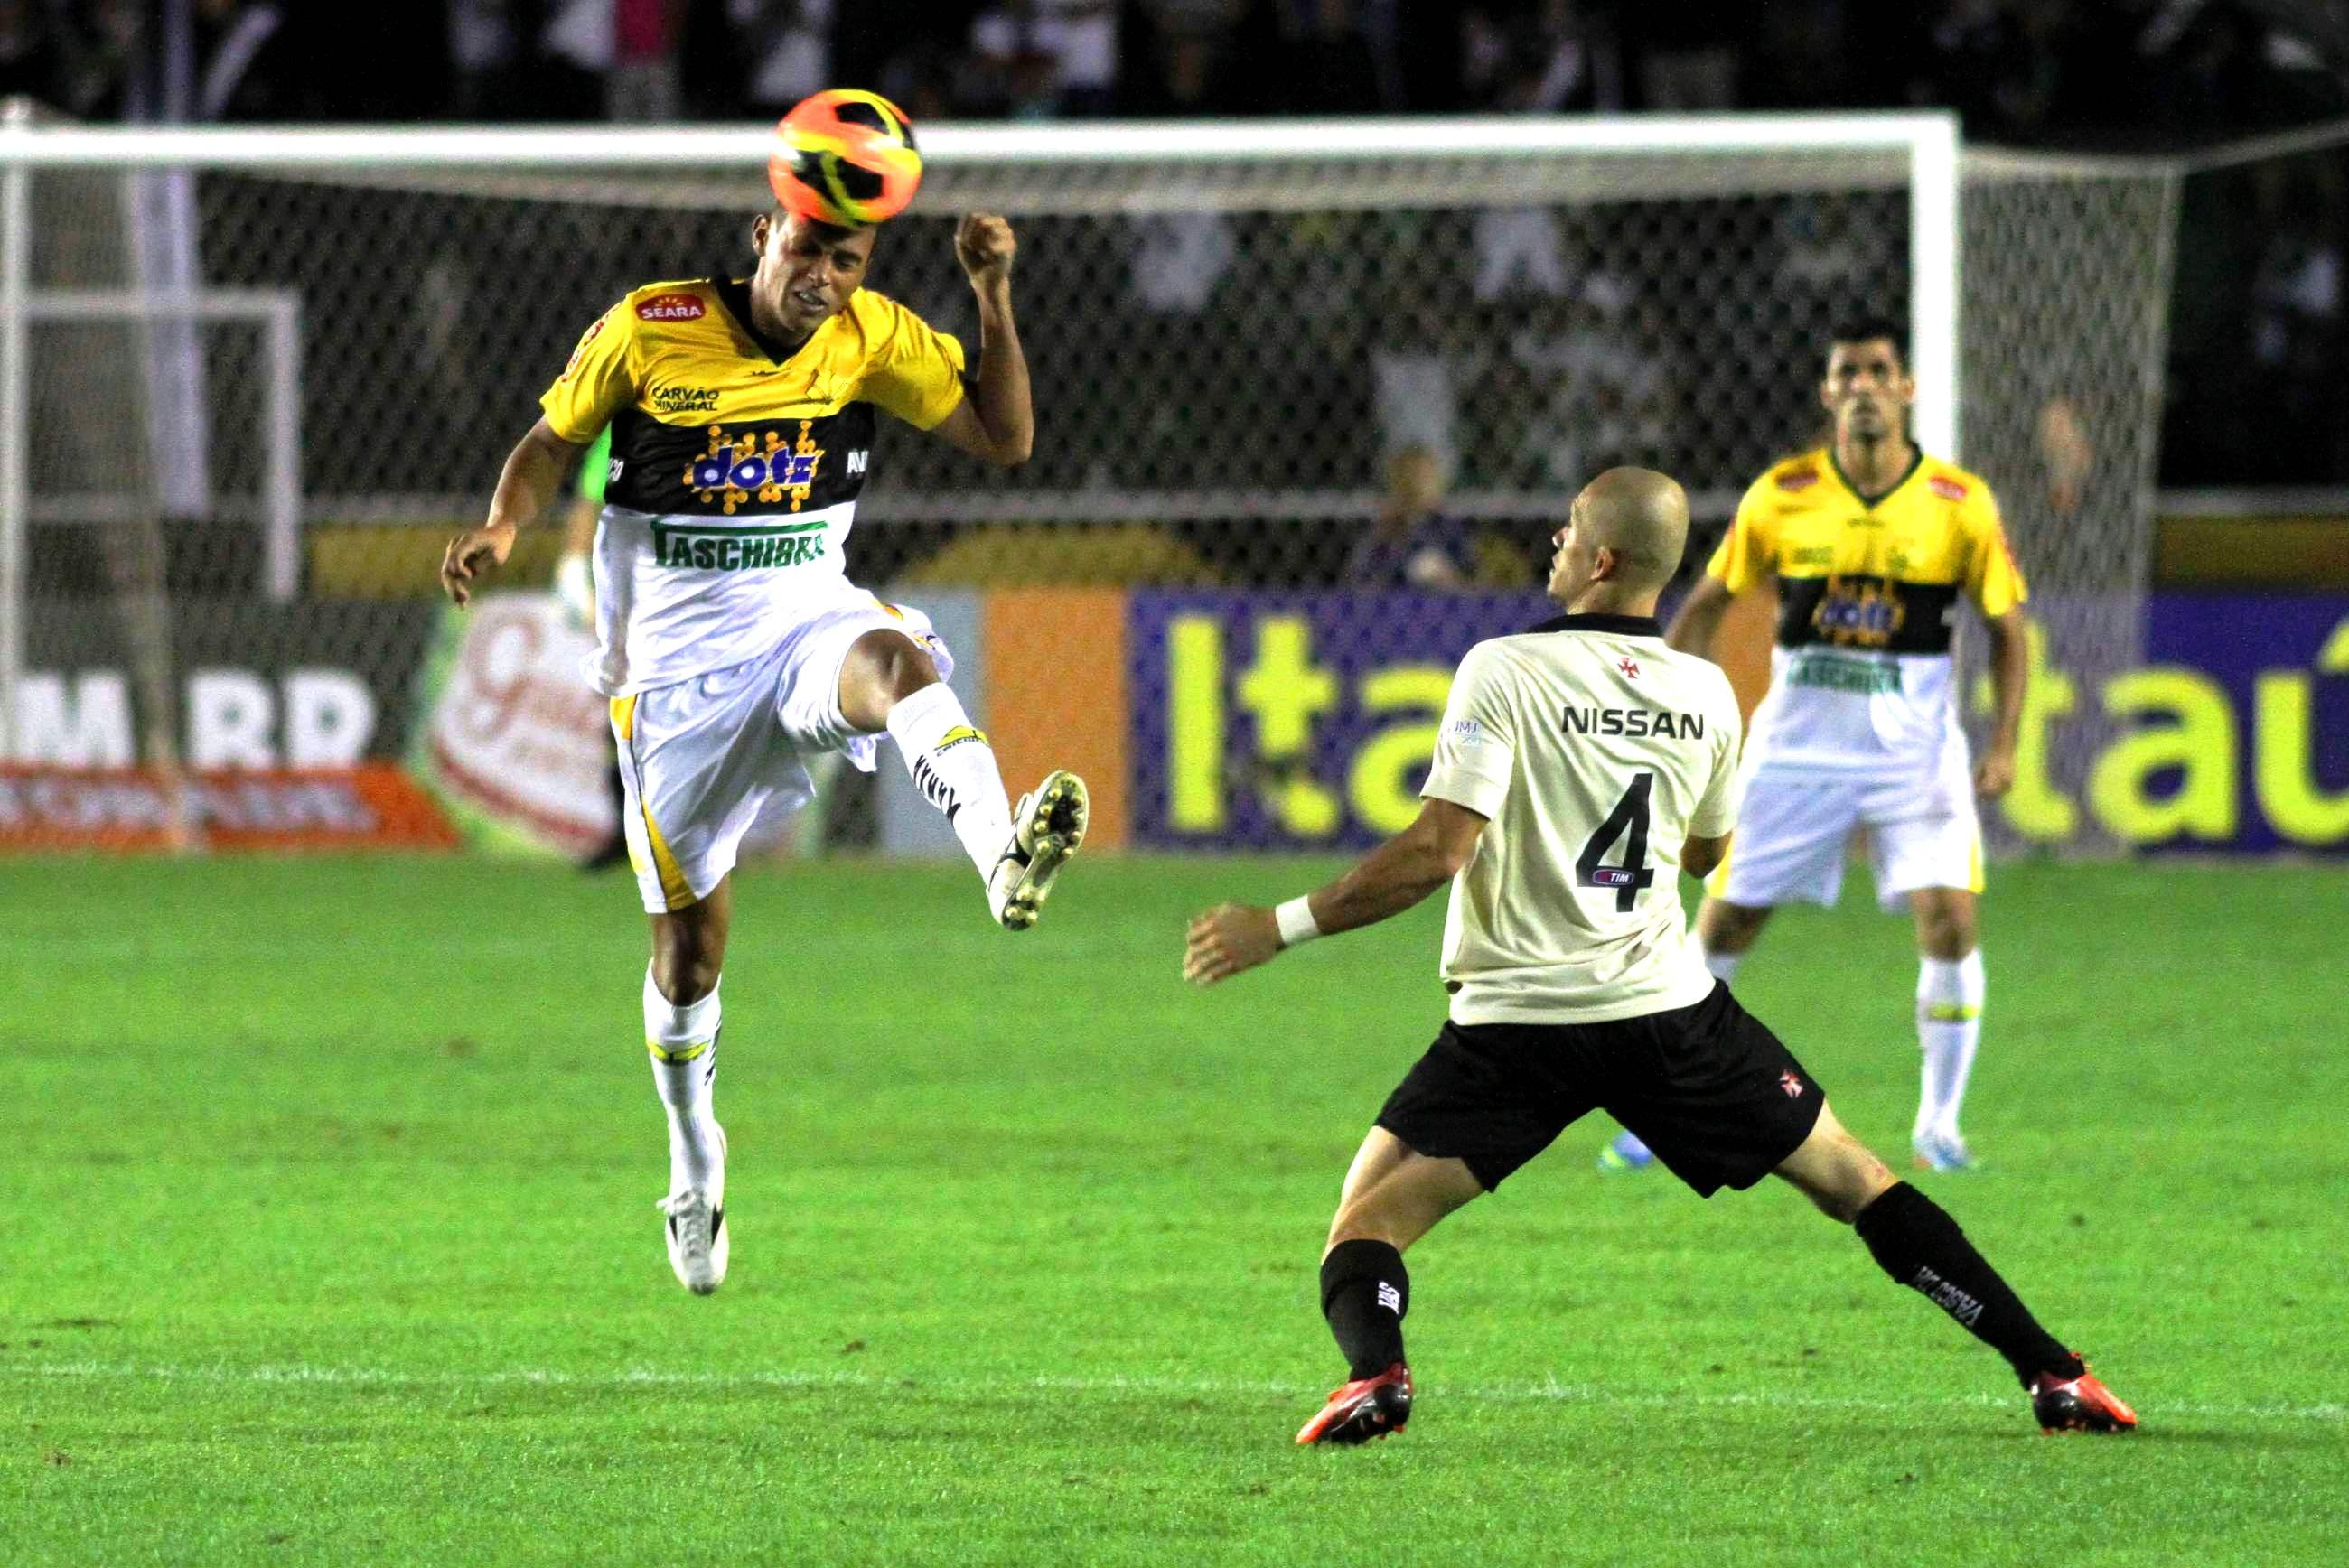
x: 996, y: 423
x: 1232, y: 937
x: 532, y: 476
x: 1699, y: 617
x: 2009, y: 674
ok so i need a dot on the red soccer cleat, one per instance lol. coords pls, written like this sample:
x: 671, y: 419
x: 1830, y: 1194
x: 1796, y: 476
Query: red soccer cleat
x: 1364, y: 1409
x: 2079, y: 1404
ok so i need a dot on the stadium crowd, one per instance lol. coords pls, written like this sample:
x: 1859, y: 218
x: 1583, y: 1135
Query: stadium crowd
x: 2095, y: 71
x: 2259, y: 323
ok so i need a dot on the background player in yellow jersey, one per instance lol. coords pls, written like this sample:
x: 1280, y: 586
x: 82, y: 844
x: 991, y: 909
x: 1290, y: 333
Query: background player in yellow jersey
x: 1871, y: 542
x: 730, y: 639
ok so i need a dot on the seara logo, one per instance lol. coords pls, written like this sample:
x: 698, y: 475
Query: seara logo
x: 672, y: 307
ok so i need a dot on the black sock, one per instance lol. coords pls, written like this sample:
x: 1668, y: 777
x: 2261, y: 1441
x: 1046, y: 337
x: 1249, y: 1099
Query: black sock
x: 1365, y: 1291
x: 1916, y: 1243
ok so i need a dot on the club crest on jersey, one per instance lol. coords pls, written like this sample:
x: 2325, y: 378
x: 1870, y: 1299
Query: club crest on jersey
x: 1628, y: 666
x: 580, y: 352
x: 1860, y: 614
x: 731, y: 472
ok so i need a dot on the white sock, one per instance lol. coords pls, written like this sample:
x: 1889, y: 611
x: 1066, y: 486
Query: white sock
x: 954, y: 766
x: 1723, y: 967
x: 683, y: 1042
x: 1948, y: 1027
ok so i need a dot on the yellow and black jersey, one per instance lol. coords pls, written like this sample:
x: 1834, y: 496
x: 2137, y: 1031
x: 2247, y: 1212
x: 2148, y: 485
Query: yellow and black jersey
x: 1868, y: 590
x: 735, y: 464
x: 708, y: 415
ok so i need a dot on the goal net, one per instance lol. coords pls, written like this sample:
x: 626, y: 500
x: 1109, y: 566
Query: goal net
x: 253, y: 379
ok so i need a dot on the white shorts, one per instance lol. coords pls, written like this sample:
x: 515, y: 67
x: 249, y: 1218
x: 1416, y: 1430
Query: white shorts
x: 701, y: 760
x: 1793, y: 830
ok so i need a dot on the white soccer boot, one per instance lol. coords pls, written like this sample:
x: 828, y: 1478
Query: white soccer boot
x: 1046, y: 829
x: 696, y: 1230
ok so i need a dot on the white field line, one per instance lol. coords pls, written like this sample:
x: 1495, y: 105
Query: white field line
x: 2332, y: 1413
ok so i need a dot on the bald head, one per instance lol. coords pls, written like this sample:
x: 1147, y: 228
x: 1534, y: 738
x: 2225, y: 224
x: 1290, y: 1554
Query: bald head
x: 1639, y: 517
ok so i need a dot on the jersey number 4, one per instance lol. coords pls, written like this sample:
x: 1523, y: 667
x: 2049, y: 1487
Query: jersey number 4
x: 1630, y: 814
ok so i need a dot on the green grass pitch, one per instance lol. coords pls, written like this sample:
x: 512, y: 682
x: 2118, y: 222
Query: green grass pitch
x: 330, y: 1239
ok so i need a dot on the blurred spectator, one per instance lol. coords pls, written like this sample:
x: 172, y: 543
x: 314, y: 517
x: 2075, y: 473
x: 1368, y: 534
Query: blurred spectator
x: 102, y: 55
x: 484, y: 52
x: 1036, y: 58
x: 631, y: 46
x: 244, y: 73
x: 1688, y: 60
x: 1412, y: 543
x: 786, y: 45
x: 1800, y: 54
x: 1540, y: 57
x: 33, y: 58
x: 1336, y: 59
x: 2297, y: 341
x: 1596, y: 397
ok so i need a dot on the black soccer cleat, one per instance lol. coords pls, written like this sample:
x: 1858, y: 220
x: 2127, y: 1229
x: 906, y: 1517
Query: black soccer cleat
x: 1363, y: 1411
x: 2080, y: 1404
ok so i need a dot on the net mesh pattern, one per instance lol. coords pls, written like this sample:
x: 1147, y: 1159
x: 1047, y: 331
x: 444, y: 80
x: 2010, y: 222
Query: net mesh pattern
x: 1232, y: 363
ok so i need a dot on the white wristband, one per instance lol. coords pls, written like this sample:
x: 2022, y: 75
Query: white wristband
x: 1297, y: 922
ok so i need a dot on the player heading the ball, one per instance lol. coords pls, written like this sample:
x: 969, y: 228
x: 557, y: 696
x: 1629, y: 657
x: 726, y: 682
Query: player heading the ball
x: 732, y: 647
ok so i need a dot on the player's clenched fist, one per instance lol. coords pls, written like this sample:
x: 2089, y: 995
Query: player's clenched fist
x: 985, y: 245
x: 1227, y: 939
x: 471, y: 552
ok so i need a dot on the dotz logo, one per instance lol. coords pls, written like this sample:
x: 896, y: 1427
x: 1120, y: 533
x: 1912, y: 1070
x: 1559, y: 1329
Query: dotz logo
x: 732, y: 472
x: 1860, y: 614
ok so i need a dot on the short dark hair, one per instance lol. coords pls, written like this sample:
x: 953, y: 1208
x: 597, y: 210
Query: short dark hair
x: 1869, y: 328
x: 828, y: 232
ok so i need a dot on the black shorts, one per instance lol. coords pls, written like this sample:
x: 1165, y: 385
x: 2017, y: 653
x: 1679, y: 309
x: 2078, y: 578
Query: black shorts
x: 1709, y: 1087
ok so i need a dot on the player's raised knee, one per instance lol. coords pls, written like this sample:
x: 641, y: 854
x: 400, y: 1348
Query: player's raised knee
x: 883, y: 668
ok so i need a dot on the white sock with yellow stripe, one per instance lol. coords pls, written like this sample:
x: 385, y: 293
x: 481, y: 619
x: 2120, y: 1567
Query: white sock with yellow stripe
x: 683, y: 1042
x: 1948, y: 1027
x: 954, y: 766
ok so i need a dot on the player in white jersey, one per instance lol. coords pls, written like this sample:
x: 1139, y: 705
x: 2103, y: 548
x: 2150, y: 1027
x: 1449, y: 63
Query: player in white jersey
x: 730, y: 640
x: 1580, y: 767
x: 1870, y: 544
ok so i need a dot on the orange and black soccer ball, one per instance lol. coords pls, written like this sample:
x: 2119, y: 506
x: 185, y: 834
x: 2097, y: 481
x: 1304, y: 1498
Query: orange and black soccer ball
x: 847, y: 158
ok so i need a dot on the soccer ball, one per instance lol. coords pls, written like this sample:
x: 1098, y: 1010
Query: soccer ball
x: 845, y: 158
